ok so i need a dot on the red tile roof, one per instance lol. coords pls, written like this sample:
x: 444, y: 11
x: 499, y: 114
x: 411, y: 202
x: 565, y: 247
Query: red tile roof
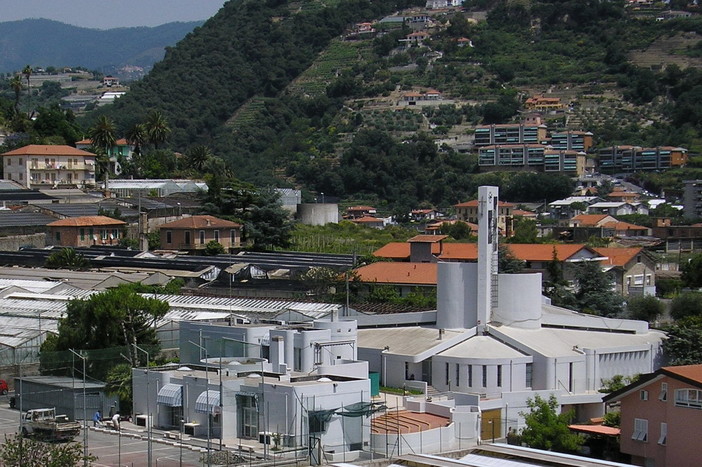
x: 469, y: 251
x: 619, y: 225
x: 689, y: 372
x: 543, y: 252
x: 367, y: 220
x: 427, y: 238
x: 200, y: 222
x: 590, y: 220
x: 596, y: 429
x: 618, y: 256
x: 48, y: 150
x: 86, y: 221
x: 398, y: 273
x: 474, y: 203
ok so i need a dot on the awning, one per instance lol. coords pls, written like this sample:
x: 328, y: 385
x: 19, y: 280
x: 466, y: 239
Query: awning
x: 170, y: 395
x: 205, y: 398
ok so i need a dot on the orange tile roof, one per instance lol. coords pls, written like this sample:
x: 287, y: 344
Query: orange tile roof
x: 200, y: 222
x: 619, y: 225
x: 360, y: 208
x: 522, y: 212
x: 618, y: 256
x: 543, y: 252
x: 427, y: 238
x: 690, y: 372
x: 398, y: 273
x: 596, y: 429
x: 366, y: 220
x: 459, y: 252
x: 395, y: 250
x: 590, y: 220
x: 474, y: 203
x: 48, y: 150
x: 86, y: 221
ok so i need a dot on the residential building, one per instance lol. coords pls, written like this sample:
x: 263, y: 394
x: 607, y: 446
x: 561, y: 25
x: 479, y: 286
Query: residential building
x: 41, y: 165
x: 619, y: 194
x: 580, y: 141
x: 680, y: 238
x: 353, y: 212
x: 369, y: 221
x: 518, y: 133
x: 110, y: 81
x: 422, y: 215
x: 428, y: 97
x: 195, y: 232
x: 604, y: 226
x: 570, y: 207
x: 633, y: 270
x: 544, y: 103
x: 661, y: 417
x: 85, y: 231
x: 627, y: 158
x: 692, y: 198
x: 468, y: 211
x: 617, y: 208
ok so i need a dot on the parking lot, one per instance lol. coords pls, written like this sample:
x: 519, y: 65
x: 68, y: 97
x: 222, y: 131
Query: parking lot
x: 126, y: 448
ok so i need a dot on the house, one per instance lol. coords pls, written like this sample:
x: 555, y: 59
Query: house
x: 354, y: 212
x: 110, y: 81
x: 369, y: 221
x: 119, y: 151
x: 633, y: 269
x: 428, y: 97
x: 617, y: 208
x: 680, y: 238
x: 468, y: 211
x: 85, y: 231
x: 464, y: 41
x: 435, y: 227
x: 619, y: 194
x: 422, y: 215
x: 543, y: 103
x: 571, y: 206
x: 661, y: 416
x: 415, y: 38
x: 41, y: 165
x: 604, y: 226
x: 194, y: 233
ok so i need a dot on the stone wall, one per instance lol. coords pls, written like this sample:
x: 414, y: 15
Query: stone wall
x: 14, y: 242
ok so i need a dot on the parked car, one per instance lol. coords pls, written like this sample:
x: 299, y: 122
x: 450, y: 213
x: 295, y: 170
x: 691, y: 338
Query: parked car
x: 4, y: 388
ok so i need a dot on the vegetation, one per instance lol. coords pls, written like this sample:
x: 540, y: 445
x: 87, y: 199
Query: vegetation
x: 16, y: 451
x: 646, y: 308
x: 594, y: 292
x: 548, y: 430
x: 616, y: 382
x: 67, y: 258
x: 684, y: 343
x: 686, y: 305
x: 692, y: 272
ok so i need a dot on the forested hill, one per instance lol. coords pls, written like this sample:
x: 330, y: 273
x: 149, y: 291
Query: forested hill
x: 42, y: 43
x: 249, y: 48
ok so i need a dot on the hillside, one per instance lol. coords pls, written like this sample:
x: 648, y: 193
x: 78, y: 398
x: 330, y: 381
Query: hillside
x: 43, y: 43
x: 293, y: 94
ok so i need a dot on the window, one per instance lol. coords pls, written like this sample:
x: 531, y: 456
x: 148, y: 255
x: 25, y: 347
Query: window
x: 232, y: 235
x: 187, y: 237
x: 484, y: 376
x: 9, y: 161
x: 470, y: 376
x: 639, y: 279
x: 82, y: 234
x: 169, y: 236
x: 58, y: 236
x: 448, y: 377
x: 628, y: 281
x: 216, y: 236
x: 638, y: 259
x: 202, y: 237
x: 663, y: 396
x: 458, y: 374
x: 643, y: 395
x: 570, y: 377
x: 664, y: 434
x: 640, y: 430
x: 21, y: 176
x: 688, y: 398
x: 499, y: 376
x: 529, y: 374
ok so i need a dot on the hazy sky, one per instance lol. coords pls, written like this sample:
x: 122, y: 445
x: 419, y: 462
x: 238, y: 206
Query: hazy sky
x: 106, y: 14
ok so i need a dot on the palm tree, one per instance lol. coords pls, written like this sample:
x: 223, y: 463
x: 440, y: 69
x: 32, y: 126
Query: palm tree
x: 27, y: 72
x: 16, y: 85
x: 157, y: 128
x: 102, y: 134
x: 198, y: 156
x: 136, y: 135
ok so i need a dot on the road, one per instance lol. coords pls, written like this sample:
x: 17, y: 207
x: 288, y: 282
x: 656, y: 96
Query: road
x: 112, y: 449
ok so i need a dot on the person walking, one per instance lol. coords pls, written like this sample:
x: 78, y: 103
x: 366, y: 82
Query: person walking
x: 97, y: 419
x: 115, y: 421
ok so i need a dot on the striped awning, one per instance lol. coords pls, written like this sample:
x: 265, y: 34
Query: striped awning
x: 205, y: 398
x: 170, y: 395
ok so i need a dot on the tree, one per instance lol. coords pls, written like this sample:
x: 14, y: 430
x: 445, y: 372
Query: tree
x: 267, y: 224
x: 546, y: 429
x: 457, y: 230
x: 617, y: 382
x: 557, y: 287
x: 646, y: 308
x: 136, y: 136
x: 213, y: 248
x: 507, y: 263
x: 683, y: 345
x: 524, y: 231
x: 17, y: 451
x: 198, y: 156
x: 119, y: 383
x: 118, y: 317
x: 594, y: 290
x: 16, y: 85
x: 686, y: 305
x: 157, y: 129
x: 102, y: 134
x: 692, y: 272
x: 67, y: 258
x: 27, y: 72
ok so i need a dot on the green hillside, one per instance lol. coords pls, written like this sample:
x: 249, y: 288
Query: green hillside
x: 278, y: 93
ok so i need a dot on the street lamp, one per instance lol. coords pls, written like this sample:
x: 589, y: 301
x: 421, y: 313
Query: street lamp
x: 148, y: 410
x: 207, y: 400
x: 85, y: 428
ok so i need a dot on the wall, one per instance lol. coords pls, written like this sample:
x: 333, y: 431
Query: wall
x: 318, y: 213
x: 14, y: 242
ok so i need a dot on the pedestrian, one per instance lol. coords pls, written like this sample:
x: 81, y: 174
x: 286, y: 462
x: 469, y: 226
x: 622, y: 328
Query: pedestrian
x: 97, y: 419
x: 115, y: 421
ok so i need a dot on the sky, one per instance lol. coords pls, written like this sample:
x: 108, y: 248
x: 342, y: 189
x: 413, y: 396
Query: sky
x: 107, y: 14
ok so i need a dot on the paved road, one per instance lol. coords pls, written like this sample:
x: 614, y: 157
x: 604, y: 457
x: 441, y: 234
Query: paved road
x: 112, y: 449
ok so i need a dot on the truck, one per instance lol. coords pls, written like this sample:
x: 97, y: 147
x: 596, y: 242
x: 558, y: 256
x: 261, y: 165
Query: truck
x: 45, y: 424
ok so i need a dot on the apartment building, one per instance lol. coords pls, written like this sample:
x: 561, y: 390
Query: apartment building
x: 571, y: 140
x: 518, y: 133
x: 537, y: 157
x: 627, y: 158
x: 38, y: 165
x: 692, y: 198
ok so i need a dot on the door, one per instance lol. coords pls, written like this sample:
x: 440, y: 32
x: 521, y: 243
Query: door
x: 491, y: 425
